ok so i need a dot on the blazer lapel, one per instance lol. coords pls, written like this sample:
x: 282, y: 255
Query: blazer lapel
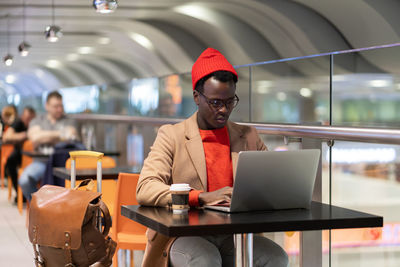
x: 194, y: 146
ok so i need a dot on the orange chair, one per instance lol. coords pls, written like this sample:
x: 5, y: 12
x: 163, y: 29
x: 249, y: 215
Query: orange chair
x: 6, y: 150
x: 108, y: 186
x: 25, y: 161
x: 127, y: 233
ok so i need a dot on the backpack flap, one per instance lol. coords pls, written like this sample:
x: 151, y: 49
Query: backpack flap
x: 56, y: 211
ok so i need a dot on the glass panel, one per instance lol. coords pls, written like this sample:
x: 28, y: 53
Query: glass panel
x: 366, y: 88
x: 33, y: 101
x: 325, y: 188
x: 242, y: 111
x: 291, y: 92
x: 82, y: 99
x: 114, y: 99
x: 366, y: 177
x: 176, y: 96
x: 289, y: 240
x: 143, y: 96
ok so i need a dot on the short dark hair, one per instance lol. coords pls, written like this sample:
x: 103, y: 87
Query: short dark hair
x: 54, y: 94
x: 221, y: 75
x: 30, y: 109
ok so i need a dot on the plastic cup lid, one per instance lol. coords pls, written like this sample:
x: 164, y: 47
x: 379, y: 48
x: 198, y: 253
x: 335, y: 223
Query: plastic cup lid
x: 180, y: 187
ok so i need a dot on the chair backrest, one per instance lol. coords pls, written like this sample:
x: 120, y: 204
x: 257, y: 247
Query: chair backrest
x: 108, y: 186
x: 126, y: 195
x: 91, y: 163
x: 26, y: 160
x: 6, y: 150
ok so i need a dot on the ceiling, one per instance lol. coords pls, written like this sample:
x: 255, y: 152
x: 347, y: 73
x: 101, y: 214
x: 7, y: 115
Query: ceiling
x: 157, y: 37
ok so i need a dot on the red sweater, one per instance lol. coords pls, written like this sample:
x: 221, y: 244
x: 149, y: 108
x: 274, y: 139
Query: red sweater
x: 218, y: 162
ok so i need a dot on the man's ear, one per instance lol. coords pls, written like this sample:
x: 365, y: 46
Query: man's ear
x: 196, y: 97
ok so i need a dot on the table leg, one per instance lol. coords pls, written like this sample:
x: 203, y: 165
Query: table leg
x: 311, y: 249
x: 244, y: 250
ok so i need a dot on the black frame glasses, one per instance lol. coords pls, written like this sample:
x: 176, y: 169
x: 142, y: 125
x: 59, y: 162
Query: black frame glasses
x: 217, y: 104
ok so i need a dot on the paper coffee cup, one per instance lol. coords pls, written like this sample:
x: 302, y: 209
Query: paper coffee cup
x: 180, y: 197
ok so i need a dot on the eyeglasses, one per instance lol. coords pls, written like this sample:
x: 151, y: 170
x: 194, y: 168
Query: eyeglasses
x: 217, y: 104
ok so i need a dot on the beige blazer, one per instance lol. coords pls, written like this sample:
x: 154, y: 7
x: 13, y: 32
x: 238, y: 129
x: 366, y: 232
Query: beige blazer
x: 177, y: 156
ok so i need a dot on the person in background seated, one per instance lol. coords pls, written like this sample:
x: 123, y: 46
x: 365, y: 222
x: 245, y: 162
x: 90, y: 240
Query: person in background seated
x: 16, y: 134
x: 45, y: 131
x: 202, y: 151
x: 8, y: 115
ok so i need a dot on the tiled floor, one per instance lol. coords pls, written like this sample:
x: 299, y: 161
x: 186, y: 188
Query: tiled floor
x: 15, y: 248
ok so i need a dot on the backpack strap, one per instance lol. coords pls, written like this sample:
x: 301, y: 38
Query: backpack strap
x: 87, y: 182
x: 67, y: 250
x: 107, y: 218
x: 38, y: 259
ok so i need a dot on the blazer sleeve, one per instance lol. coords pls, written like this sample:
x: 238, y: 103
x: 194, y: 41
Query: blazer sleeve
x: 260, y: 143
x: 254, y: 141
x: 155, y: 177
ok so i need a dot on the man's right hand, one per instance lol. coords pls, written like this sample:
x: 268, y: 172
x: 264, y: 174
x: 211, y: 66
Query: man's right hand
x: 221, y: 195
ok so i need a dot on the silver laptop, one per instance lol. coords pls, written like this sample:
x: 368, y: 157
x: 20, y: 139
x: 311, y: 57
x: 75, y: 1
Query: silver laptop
x: 271, y: 180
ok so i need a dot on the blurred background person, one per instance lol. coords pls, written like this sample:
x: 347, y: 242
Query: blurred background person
x: 8, y: 115
x: 45, y: 131
x: 16, y: 134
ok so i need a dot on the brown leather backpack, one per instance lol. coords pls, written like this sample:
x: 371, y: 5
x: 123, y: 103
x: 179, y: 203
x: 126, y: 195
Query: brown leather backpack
x: 64, y: 231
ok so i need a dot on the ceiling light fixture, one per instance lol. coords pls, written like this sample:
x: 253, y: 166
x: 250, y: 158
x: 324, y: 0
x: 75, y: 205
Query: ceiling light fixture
x: 84, y: 50
x: 53, y: 63
x: 105, y: 6
x: 8, y: 59
x: 10, y: 78
x: 305, y: 92
x: 142, y: 40
x: 72, y: 57
x: 104, y: 40
x: 23, y: 47
x: 53, y: 32
x: 379, y: 83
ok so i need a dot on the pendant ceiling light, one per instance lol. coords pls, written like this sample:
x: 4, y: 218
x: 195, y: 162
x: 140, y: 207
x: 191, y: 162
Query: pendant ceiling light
x: 8, y: 59
x: 23, y: 47
x: 53, y: 32
x: 105, y: 6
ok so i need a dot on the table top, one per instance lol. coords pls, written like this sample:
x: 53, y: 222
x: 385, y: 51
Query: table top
x: 207, y: 222
x: 37, y: 154
x: 81, y: 174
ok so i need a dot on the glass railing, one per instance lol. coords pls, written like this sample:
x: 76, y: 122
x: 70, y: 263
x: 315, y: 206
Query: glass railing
x: 351, y: 97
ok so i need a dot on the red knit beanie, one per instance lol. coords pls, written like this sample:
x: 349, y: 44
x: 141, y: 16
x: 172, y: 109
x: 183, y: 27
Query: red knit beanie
x: 209, y: 61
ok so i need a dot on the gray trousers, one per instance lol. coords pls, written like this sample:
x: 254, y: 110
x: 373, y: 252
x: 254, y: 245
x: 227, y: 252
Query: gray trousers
x: 219, y: 250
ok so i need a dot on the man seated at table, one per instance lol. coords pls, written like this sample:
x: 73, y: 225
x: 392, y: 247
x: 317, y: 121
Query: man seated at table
x: 202, y: 151
x: 45, y: 131
x: 16, y: 134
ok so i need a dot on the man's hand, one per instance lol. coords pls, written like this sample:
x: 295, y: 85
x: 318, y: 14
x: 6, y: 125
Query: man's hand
x: 221, y: 195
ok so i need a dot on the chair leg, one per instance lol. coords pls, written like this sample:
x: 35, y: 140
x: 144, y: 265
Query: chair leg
x: 27, y: 214
x: 2, y: 179
x: 132, y: 260
x: 115, y: 258
x: 20, y: 203
x: 10, y: 186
